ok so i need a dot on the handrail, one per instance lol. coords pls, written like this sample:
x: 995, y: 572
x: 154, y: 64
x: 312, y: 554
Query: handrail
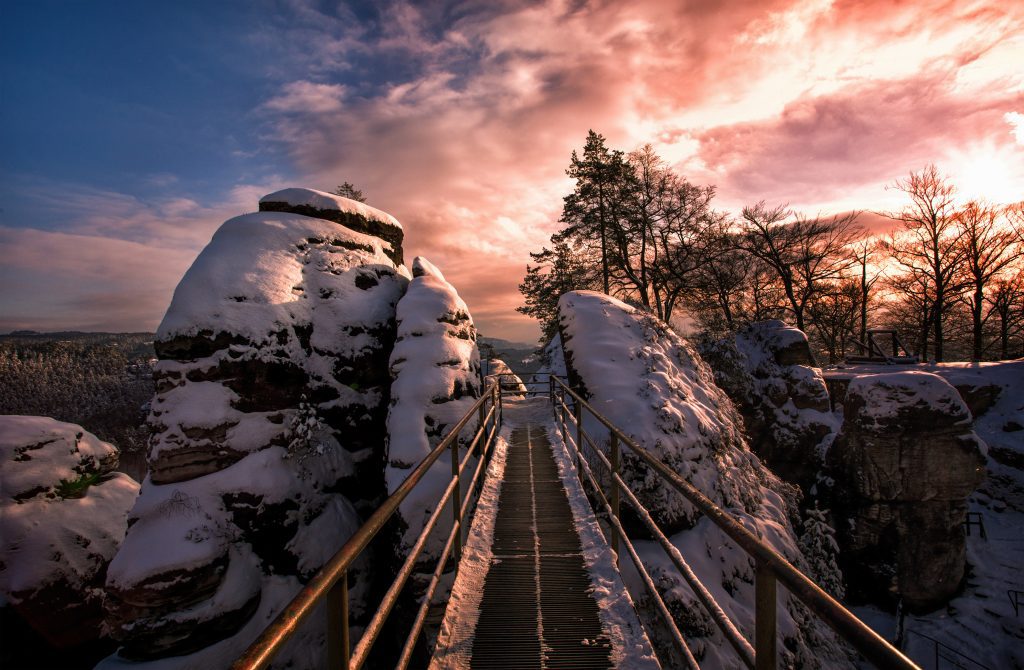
x: 940, y: 655
x: 330, y: 582
x: 769, y: 565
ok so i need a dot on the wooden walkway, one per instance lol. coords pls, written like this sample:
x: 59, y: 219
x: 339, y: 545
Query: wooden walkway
x: 536, y: 610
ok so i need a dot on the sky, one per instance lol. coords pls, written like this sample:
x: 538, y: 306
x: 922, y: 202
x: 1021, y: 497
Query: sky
x: 129, y: 131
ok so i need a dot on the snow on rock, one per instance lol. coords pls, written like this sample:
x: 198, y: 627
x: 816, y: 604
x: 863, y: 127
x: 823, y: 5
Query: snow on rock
x: 768, y: 371
x: 268, y: 431
x: 63, y: 514
x: 435, y: 370
x: 352, y: 214
x: 647, y: 380
x: 510, y: 381
x: 904, y: 463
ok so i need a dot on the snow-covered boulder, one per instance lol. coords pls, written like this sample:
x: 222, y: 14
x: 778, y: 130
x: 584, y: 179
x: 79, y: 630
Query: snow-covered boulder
x: 352, y: 214
x: 768, y: 371
x: 904, y: 463
x: 63, y: 514
x: 268, y: 432
x: 509, y: 381
x: 435, y: 368
x: 637, y: 372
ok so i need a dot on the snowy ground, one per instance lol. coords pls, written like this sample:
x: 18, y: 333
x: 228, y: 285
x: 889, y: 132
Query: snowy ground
x: 978, y: 629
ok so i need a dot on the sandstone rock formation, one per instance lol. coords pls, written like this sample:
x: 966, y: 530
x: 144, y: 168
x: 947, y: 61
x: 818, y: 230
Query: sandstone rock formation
x: 510, y: 381
x: 63, y: 514
x: 904, y: 463
x: 636, y: 371
x: 269, y: 426
x: 435, y: 368
x: 768, y: 371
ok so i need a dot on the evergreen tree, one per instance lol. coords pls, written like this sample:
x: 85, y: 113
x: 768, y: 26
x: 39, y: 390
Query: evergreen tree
x: 349, y: 191
x: 558, y: 271
x: 593, y: 210
x: 819, y: 546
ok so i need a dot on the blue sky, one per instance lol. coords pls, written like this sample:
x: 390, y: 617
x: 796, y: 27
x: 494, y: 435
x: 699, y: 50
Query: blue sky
x: 130, y: 130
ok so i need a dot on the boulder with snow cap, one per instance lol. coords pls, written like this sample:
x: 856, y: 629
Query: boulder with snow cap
x: 352, y: 214
x: 904, y: 463
x: 268, y: 429
x: 768, y: 371
x: 63, y: 514
x: 509, y: 381
x: 636, y: 371
x: 435, y: 368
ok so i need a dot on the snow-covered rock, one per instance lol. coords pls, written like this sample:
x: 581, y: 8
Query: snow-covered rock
x: 641, y: 375
x: 768, y: 371
x: 352, y: 214
x: 268, y: 431
x: 435, y: 368
x: 63, y: 514
x: 904, y: 463
x: 509, y: 381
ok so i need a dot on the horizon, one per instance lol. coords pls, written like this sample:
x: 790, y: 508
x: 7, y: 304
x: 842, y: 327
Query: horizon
x: 133, y: 131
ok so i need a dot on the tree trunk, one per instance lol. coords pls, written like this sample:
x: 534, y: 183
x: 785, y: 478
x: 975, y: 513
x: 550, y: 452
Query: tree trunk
x: 976, y: 323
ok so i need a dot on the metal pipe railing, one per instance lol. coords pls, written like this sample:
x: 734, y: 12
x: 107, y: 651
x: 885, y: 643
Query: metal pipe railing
x: 330, y: 584
x: 770, y: 567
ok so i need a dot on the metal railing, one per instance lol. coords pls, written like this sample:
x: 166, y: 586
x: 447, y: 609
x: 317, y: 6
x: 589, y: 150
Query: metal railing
x: 330, y: 583
x: 953, y: 658
x: 537, y: 384
x: 770, y: 567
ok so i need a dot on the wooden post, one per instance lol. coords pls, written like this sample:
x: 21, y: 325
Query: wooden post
x: 338, y: 642
x: 764, y: 618
x: 457, y: 501
x: 579, y: 438
x: 614, y: 453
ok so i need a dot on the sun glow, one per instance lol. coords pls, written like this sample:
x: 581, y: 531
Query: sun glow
x: 988, y: 172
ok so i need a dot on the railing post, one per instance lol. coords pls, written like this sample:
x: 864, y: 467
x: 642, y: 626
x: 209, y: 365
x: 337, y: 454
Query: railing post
x: 338, y: 643
x: 764, y: 617
x: 614, y: 453
x: 483, y: 433
x: 579, y: 437
x: 457, y: 500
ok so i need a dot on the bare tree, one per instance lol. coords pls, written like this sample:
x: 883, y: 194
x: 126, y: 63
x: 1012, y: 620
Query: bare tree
x: 805, y: 254
x: 865, y: 255
x: 1006, y: 303
x: 988, y: 248
x: 834, y: 312
x: 929, y: 247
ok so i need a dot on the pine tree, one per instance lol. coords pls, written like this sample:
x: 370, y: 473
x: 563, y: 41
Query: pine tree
x: 818, y: 543
x: 349, y: 191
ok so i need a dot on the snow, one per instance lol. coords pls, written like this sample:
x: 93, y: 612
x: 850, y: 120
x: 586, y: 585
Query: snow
x: 252, y: 279
x: 648, y: 381
x: 887, y: 395
x: 630, y: 646
x: 329, y: 201
x: 45, y: 538
x: 979, y: 623
x: 435, y: 380
x: 455, y: 639
x: 509, y: 380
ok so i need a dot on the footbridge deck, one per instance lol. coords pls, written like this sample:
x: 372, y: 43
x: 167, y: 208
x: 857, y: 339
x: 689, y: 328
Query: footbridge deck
x: 525, y: 588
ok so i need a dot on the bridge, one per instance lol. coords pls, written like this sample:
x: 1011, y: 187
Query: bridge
x: 523, y: 469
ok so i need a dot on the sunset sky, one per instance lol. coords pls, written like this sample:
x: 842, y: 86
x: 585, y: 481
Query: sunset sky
x: 130, y: 130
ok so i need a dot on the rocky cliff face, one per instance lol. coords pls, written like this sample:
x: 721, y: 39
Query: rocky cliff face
x: 904, y: 463
x: 268, y: 426
x: 435, y: 370
x: 63, y: 511
x: 767, y: 369
x: 641, y: 375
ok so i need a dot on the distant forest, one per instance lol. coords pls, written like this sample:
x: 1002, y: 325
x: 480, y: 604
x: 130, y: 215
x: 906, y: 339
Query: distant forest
x: 949, y: 277
x: 101, y: 381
